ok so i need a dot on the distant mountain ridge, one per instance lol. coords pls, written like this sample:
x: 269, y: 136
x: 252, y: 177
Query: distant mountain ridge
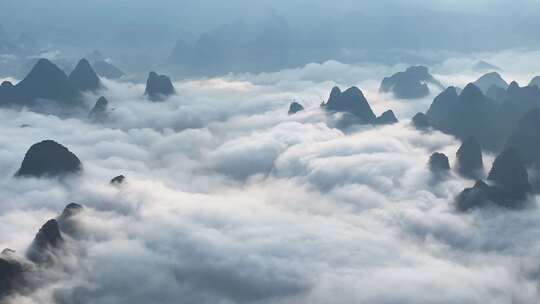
x: 47, y: 82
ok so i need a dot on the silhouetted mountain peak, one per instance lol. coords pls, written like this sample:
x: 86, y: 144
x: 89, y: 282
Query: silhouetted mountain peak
x: 49, y: 235
x: 525, y: 138
x: 471, y: 92
x: 509, y: 173
x: 412, y: 83
x: 71, y: 210
x: 535, y: 81
x: 350, y: 101
x: 6, y: 84
x: 477, y: 196
x: 44, y: 70
x: 420, y: 121
x: 295, y: 107
x: 84, y: 78
x: 158, y: 87
x: 469, y: 158
x: 118, y: 180
x: 386, y: 118
x: 438, y: 162
x: 11, y: 274
x: 99, y: 111
x: 46, y: 241
x: 513, y: 86
x: 46, y: 81
x: 49, y: 158
x: 336, y: 91
x: 489, y: 79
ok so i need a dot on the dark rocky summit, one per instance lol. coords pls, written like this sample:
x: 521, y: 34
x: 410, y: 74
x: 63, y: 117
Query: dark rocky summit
x: 158, y: 87
x: 11, y: 274
x: 409, y: 84
x: 472, y: 113
x: 44, y: 82
x: 478, y: 196
x: 469, y: 114
x: 48, y: 89
x: 84, y: 78
x: 386, y: 118
x: 118, y: 180
x: 70, y: 210
x: 442, y: 107
x: 438, y: 162
x: 469, y: 159
x: 295, y: 107
x: 355, y: 108
x: 510, y: 175
x: 48, y: 158
x: 525, y: 138
x: 517, y: 102
x: 510, y: 187
x: 67, y: 220
x: 99, y: 111
x: 350, y: 101
x: 420, y: 121
x: 47, y: 240
x: 490, y: 79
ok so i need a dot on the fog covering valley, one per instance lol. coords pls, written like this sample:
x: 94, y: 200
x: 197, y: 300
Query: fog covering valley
x: 266, y: 183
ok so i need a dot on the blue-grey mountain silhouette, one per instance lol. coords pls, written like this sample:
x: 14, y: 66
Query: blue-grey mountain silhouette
x: 45, y: 81
x: 295, y: 107
x: 438, y: 162
x: 11, y: 275
x: 517, y: 102
x: 71, y: 210
x: 84, y: 78
x: 496, y: 93
x: 442, y: 105
x: 67, y: 222
x: 48, y: 158
x: 535, y: 81
x: 510, y: 187
x: 490, y: 79
x: 350, y: 101
x: 525, y: 138
x: 483, y: 66
x: 106, y: 69
x: 99, y: 111
x: 480, y: 195
x: 47, y: 240
x: 410, y: 84
x: 118, y: 180
x: 469, y: 159
x: 420, y: 121
x: 386, y: 118
x: 469, y: 114
x: 158, y: 87
x: 489, y: 120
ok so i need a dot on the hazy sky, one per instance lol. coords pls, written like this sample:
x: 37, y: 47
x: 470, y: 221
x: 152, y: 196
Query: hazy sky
x: 142, y: 34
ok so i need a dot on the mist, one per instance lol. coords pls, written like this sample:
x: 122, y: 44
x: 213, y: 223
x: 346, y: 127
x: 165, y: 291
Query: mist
x: 222, y: 193
x: 207, y: 38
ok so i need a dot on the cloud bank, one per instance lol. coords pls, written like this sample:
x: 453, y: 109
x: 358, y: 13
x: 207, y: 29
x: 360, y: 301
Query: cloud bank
x: 230, y: 200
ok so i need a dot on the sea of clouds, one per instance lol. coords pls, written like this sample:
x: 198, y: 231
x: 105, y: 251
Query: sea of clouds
x: 230, y: 200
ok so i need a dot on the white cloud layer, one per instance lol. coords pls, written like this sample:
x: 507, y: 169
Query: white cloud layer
x: 230, y: 200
